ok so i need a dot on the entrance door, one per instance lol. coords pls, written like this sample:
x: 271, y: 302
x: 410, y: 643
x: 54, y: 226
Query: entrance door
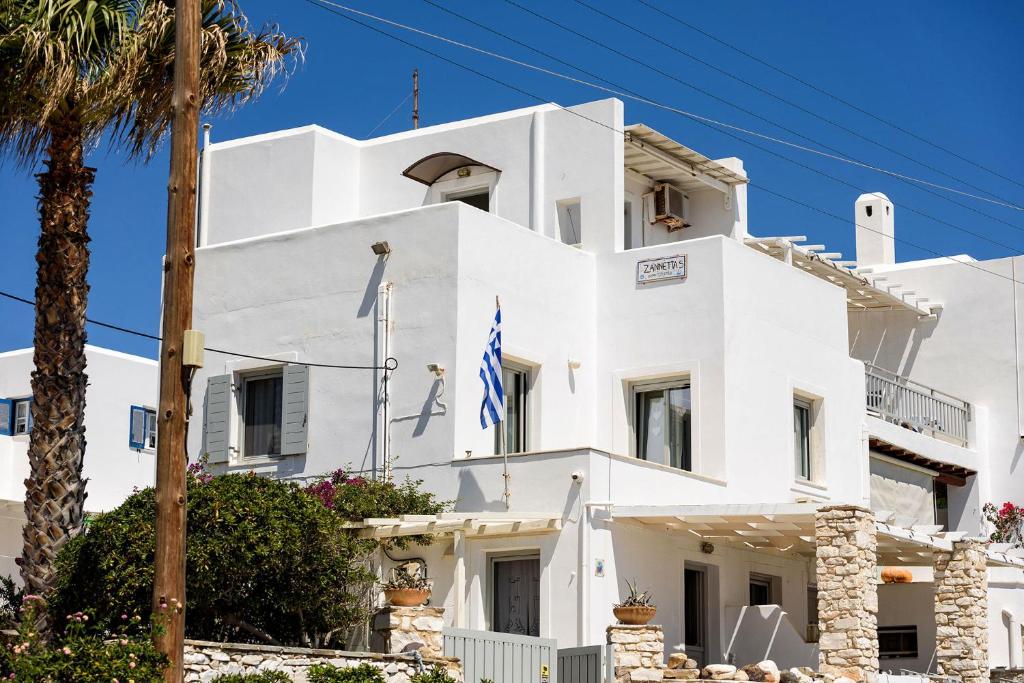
x: 516, y: 595
x: 695, y: 613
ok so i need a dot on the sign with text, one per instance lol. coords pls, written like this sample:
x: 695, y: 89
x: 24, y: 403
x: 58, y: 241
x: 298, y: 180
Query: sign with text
x: 658, y: 269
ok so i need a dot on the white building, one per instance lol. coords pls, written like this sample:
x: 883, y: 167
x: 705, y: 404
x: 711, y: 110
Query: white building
x: 717, y: 403
x: 120, y: 432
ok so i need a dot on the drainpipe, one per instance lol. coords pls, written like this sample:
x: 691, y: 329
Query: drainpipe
x: 583, y: 588
x: 203, y: 207
x: 1016, y: 655
x: 537, y: 173
x: 384, y: 332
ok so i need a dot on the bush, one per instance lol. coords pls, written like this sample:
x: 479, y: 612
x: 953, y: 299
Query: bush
x: 81, y: 652
x: 364, y: 673
x: 438, y: 674
x: 10, y: 602
x: 265, y: 563
x: 261, y: 677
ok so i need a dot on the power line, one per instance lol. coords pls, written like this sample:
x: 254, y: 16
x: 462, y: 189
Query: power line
x: 660, y: 105
x: 318, y: 3
x: 678, y: 80
x: 385, y: 119
x: 390, y: 364
x: 778, y: 97
x: 827, y: 93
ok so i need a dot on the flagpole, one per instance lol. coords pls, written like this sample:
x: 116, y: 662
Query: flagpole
x: 502, y: 434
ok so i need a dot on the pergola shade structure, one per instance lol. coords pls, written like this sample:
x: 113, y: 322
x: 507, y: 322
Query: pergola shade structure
x: 433, y: 167
x: 662, y: 159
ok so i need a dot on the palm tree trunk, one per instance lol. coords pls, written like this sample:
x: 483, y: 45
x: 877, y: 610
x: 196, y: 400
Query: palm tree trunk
x: 55, y: 490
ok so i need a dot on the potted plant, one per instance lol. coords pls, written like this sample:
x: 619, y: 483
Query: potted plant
x: 407, y: 587
x: 637, y: 609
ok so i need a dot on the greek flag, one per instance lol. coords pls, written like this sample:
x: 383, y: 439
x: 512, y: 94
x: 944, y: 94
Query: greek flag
x: 492, y: 409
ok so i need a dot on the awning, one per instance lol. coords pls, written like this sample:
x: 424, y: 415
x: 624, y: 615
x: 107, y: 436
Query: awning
x: 947, y: 473
x: 648, y: 152
x: 789, y: 528
x: 434, y: 166
x: 863, y: 291
x: 471, y: 525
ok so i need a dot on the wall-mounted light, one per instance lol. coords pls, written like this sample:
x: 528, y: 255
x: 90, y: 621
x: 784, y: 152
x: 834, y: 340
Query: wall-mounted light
x: 381, y: 248
x: 707, y: 548
x: 574, y: 363
x: 436, y: 369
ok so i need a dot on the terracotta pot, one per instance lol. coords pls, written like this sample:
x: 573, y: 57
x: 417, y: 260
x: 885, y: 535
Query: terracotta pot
x: 896, y: 575
x: 406, y: 597
x: 634, y: 616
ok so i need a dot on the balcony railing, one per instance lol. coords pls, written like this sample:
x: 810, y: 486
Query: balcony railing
x: 915, y: 406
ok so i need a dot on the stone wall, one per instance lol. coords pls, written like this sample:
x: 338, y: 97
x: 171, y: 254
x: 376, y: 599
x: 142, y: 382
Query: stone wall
x: 961, y: 612
x: 638, y: 652
x: 408, y: 629
x: 205, y: 661
x: 847, y: 592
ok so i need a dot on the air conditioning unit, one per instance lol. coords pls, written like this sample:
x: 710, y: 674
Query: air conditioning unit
x: 668, y: 205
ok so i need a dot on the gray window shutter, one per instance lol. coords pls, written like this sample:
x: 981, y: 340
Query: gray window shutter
x: 295, y: 411
x: 217, y: 418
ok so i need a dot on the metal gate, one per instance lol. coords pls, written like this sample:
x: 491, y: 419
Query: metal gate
x: 581, y: 664
x: 502, y: 657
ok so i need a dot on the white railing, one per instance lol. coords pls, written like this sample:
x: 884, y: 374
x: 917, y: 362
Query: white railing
x: 915, y: 406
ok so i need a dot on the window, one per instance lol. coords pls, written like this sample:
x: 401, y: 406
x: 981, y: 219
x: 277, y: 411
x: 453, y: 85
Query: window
x: 22, y: 416
x: 515, y: 382
x: 515, y: 594
x: 942, y: 504
x: 479, y: 197
x: 761, y: 590
x: 802, y: 437
x: 142, y: 435
x: 897, y: 642
x: 262, y: 410
x: 661, y: 421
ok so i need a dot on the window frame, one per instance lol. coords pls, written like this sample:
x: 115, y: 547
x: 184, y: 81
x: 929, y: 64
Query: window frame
x: 665, y: 385
x: 804, y: 460
x: 816, y: 436
x: 900, y: 630
x: 496, y: 557
x: 522, y: 429
x: 769, y: 582
x: 243, y: 380
x: 450, y: 186
x: 16, y: 404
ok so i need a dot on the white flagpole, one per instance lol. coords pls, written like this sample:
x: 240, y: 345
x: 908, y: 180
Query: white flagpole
x: 501, y: 425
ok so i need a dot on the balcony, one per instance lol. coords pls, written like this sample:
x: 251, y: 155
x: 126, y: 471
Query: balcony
x: 916, y: 407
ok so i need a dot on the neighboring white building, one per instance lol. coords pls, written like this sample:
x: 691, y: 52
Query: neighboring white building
x: 120, y: 433
x: 668, y: 390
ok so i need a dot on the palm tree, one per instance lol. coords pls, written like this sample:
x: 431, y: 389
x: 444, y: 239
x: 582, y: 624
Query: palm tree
x: 71, y: 72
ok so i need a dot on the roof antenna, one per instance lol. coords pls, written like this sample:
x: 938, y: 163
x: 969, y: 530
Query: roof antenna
x: 415, y: 99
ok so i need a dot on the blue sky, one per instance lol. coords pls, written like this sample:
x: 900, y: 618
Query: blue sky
x: 948, y: 71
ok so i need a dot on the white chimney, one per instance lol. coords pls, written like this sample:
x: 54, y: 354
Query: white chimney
x: 874, y: 218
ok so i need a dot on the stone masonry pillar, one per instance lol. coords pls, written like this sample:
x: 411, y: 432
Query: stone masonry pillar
x: 638, y: 652
x: 847, y: 591
x: 409, y: 629
x: 961, y: 612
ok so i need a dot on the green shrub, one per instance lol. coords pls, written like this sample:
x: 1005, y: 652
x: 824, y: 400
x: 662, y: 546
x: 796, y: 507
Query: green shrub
x: 81, y: 652
x: 364, y: 673
x: 261, y: 677
x: 438, y: 674
x: 264, y: 560
x: 10, y: 601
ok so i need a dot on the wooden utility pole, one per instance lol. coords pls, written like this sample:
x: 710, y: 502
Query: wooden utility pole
x: 415, y: 99
x: 169, y: 579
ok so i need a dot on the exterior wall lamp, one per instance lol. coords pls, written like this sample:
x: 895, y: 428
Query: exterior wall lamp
x: 381, y: 248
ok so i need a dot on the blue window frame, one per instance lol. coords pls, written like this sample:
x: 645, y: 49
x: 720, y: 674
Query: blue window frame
x: 21, y: 416
x: 6, y: 416
x: 142, y: 428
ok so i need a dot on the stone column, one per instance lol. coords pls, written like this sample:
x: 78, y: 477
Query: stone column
x: 961, y: 612
x: 847, y: 591
x: 409, y: 629
x: 638, y: 651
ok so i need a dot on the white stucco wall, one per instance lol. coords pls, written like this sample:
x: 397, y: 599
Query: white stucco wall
x: 117, y: 381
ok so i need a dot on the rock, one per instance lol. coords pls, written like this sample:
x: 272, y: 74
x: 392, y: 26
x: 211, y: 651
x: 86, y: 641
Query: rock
x: 645, y: 675
x: 677, y: 660
x: 790, y: 677
x: 844, y: 679
x: 740, y: 675
x: 719, y: 669
x: 681, y: 674
x: 753, y: 673
x: 691, y: 664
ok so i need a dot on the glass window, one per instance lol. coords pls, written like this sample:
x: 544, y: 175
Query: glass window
x: 515, y: 382
x: 761, y: 590
x: 261, y: 415
x: 23, y: 416
x: 662, y: 417
x: 151, y: 429
x: 479, y: 197
x: 802, y: 437
x: 515, y: 593
x: 897, y: 642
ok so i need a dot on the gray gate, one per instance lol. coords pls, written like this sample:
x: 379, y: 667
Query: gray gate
x: 581, y: 664
x: 502, y: 657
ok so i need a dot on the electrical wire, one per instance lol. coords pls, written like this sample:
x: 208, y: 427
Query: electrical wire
x: 727, y: 102
x: 576, y: 67
x: 822, y: 91
x: 385, y: 119
x: 660, y: 105
x: 778, y: 97
x: 390, y: 364
x: 318, y: 3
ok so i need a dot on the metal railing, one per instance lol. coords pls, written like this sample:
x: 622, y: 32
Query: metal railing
x: 915, y: 406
